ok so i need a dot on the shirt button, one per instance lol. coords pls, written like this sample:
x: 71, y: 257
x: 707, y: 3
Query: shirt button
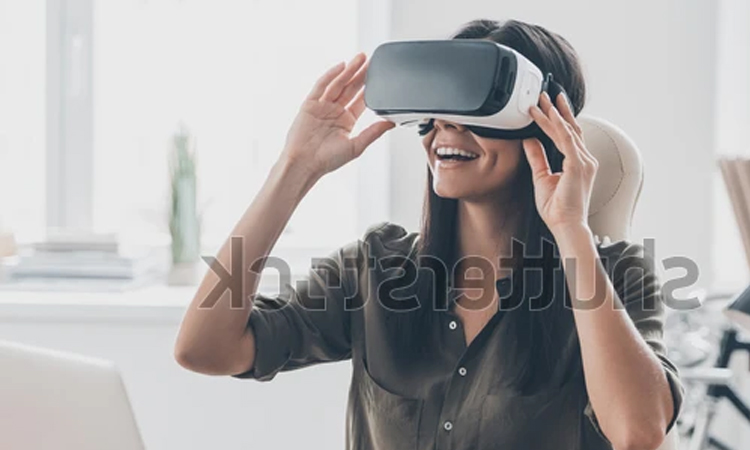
x: 448, y: 425
x: 453, y: 325
x: 462, y: 371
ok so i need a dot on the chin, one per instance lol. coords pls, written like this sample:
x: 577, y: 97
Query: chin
x: 451, y: 190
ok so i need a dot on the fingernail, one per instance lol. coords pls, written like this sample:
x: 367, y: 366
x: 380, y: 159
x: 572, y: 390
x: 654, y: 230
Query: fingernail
x: 567, y: 100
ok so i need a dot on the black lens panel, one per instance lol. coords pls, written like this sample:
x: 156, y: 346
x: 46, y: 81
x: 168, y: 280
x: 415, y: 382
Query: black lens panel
x: 463, y: 76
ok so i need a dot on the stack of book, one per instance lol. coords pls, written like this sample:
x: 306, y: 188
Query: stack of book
x: 91, y: 259
x: 736, y: 174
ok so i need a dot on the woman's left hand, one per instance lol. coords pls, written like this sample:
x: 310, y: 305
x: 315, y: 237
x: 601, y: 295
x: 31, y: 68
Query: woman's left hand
x: 562, y: 198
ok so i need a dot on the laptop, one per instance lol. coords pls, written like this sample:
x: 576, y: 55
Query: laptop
x: 51, y: 400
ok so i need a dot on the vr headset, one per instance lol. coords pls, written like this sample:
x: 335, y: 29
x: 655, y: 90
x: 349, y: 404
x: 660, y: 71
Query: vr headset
x: 480, y: 84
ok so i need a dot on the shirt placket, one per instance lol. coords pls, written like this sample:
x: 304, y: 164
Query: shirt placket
x: 450, y: 421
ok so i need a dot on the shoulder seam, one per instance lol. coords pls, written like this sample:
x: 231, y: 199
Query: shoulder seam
x: 386, y: 237
x: 376, y: 229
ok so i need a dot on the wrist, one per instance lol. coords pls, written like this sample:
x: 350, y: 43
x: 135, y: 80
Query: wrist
x: 294, y: 162
x: 296, y: 172
x: 572, y: 232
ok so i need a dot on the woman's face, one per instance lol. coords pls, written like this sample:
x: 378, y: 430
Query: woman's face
x: 483, y: 167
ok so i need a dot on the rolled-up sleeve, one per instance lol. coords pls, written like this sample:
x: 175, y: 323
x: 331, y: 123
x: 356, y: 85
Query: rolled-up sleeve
x: 633, y: 276
x: 308, y: 323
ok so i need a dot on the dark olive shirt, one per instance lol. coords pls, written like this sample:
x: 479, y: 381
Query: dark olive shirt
x: 455, y: 398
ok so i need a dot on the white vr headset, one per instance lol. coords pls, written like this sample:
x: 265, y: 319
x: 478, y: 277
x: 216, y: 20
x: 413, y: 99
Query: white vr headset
x: 478, y: 83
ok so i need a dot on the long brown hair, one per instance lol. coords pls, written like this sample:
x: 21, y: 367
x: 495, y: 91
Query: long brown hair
x: 536, y: 331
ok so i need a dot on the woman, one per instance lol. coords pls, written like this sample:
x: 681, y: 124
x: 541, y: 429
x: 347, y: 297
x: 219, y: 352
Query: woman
x: 539, y: 359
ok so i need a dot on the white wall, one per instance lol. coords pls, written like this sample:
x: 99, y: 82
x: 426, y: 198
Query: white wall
x: 650, y: 70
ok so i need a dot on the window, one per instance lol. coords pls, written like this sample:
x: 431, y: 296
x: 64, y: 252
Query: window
x: 98, y: 88
x: 234, y: 74
x: 22, y: 117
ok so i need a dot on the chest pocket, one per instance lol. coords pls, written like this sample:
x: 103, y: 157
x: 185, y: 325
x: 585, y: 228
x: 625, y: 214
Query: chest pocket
x: 388, y: 421
x: 547, y: 420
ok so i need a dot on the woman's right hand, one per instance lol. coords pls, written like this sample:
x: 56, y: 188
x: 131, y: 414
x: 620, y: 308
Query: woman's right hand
x: 319, y: 138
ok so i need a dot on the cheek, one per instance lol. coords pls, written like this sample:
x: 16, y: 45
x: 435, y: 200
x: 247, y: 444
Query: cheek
x: 502, y: 164
x: 427, y: 141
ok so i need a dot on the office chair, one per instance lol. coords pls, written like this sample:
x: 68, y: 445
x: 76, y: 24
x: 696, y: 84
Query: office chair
x: 617, y: 187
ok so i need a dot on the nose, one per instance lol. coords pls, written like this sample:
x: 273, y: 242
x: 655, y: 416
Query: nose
x: 444, y: 125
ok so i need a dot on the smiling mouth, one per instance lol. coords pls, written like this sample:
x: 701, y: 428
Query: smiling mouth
x: 454, y: 154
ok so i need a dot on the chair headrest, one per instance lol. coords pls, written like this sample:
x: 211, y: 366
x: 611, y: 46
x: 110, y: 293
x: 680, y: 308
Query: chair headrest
x: 618, y: 181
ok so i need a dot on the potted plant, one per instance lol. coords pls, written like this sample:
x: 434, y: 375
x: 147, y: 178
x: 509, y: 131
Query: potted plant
x: 184, y: 219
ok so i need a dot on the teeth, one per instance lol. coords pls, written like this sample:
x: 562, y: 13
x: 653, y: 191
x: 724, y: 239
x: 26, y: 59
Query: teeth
x: 445, y: 151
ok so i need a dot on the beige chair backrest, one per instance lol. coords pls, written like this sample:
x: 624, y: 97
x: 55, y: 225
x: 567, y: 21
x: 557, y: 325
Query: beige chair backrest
x: 618, y: 181
x: 617, y: 187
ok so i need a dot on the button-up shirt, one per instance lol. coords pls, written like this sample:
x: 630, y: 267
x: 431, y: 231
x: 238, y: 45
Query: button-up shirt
x: 453, y: 398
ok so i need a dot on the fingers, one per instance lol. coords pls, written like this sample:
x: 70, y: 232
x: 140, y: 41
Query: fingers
x: 555, y: 130
x: 336, y: 87
x: 563, y: 106
x: 566, y: 135
x: 320, y: 86
x: 567, y: 113
x: 542, y: 120
x: 354, y: 86
x: 370, y: 134
x: 357, y: 106
x: 560, y: 132
x: 538, y: 162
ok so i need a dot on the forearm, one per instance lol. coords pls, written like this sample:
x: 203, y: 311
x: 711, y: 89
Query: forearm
x: 626, y: 383
x: 213, y: 337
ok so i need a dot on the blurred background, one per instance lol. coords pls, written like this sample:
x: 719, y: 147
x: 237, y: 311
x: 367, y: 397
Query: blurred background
x: 134, y: 133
